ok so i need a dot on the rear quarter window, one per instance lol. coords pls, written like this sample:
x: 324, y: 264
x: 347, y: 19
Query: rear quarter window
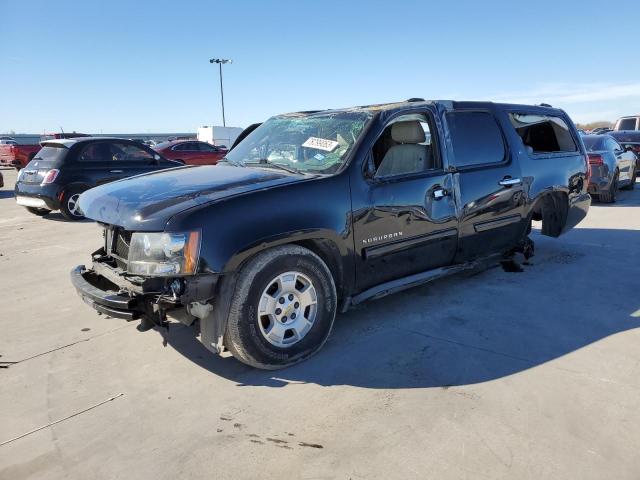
x: 542, y: 134
x: 627, y: 124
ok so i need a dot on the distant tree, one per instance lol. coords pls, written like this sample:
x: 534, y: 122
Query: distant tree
x: 592, y: 125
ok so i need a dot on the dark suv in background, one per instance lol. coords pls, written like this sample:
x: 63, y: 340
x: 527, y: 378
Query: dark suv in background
x: 63, y: 169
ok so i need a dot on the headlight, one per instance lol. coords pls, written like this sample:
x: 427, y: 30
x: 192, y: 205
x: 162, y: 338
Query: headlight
x: 164, y: 254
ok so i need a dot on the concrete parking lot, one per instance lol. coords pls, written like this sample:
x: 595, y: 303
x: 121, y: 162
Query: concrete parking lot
x: 498, y: 375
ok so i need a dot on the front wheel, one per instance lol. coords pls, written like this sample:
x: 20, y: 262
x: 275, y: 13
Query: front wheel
x: 69, y: 206
x: 283, y: 308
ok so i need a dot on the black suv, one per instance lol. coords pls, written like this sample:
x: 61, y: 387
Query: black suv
x: 65, y: 168
x: 316, y: 211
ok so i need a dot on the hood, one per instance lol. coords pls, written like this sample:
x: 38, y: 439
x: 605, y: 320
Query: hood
x: 147, y: 202
x: 626, y: 135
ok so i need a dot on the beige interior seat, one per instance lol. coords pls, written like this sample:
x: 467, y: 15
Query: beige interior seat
x: 408, y: 156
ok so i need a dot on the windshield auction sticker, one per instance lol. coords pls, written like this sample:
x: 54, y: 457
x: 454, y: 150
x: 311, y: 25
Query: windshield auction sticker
x: 320, y: 144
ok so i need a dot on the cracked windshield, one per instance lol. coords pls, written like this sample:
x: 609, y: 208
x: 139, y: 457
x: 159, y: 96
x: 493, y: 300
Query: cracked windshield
x: 314, y: 143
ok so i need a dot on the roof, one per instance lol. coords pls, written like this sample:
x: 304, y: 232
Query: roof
x: 420, y: 101
x: 69, y: 142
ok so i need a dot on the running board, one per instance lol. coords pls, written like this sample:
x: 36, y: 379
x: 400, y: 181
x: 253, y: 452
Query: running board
x: 421, y: 278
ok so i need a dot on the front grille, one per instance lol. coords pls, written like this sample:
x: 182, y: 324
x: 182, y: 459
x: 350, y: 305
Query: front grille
x: 122, y: 242
x: 117, y: 242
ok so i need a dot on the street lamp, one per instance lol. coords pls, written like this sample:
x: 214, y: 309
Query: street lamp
x: 220, y: 61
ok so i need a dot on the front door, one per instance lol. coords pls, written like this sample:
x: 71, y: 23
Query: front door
x: 407, y: 223
x: 129, y: 159
x: 488, y: 184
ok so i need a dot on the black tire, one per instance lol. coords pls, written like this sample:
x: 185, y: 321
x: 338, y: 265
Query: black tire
x: 632, y: 185
x: 68, y: 199
x: 244, y: 336
x: 41, y: 212
x: 610, y: 195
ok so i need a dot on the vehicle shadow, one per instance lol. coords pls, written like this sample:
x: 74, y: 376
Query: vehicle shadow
x: 467, y: 330
x: 57, y: 217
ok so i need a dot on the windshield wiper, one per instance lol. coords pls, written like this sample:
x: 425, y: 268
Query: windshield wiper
x: 267, y: 163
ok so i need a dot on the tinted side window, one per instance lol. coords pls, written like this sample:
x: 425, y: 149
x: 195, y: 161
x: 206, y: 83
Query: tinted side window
x: 205, y: 147
x: 96, y: 152
x: 543, y: 133
x: 126, y: 152
x: 476, y: 138
x: 627, y: 124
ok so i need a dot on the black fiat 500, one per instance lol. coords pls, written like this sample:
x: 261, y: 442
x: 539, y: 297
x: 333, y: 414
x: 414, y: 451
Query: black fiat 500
x: 65, y: 168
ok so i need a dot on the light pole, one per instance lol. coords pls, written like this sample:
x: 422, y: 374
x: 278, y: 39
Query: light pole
x: 220, y: 61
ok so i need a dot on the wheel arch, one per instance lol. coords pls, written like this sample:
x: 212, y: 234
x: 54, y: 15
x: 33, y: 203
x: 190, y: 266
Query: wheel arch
x: 552, y: 208
x: 319, y: 242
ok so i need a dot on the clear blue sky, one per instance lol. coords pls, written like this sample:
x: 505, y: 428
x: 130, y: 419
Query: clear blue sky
x: 142, y: 66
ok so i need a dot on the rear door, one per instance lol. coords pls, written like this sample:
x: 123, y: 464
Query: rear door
x: 488, y: 184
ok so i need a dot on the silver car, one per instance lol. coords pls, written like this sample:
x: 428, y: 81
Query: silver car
x: 612, y: 167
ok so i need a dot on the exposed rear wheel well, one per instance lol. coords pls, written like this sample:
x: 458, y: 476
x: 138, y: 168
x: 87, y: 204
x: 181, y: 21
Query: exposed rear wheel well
x: 552, y: 208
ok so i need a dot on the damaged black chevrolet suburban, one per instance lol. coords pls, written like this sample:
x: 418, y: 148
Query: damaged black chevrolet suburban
x: 316, y: 211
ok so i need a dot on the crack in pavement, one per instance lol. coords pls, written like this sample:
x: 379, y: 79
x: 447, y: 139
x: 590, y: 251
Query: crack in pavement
x: 61, y: 420
x: 6, y: 364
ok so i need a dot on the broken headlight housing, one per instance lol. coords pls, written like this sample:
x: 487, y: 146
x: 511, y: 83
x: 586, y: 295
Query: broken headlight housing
x: 164, y: 254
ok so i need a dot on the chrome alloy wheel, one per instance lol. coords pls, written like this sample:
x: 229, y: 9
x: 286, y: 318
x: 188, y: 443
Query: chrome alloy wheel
x: 287, y: 309
x: 72, y: 205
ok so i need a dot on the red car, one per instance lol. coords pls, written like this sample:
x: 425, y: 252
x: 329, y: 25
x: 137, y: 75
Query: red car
x: 191, y: 152
x: 15, y: 155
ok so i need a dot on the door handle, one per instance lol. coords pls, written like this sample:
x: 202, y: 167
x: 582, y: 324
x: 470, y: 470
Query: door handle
x: 116, y: 171
x: 510, y: 182
x: 440, y: 193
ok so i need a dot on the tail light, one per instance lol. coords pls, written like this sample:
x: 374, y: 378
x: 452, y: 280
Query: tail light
x: 50, y: 176
x: 595, y: 159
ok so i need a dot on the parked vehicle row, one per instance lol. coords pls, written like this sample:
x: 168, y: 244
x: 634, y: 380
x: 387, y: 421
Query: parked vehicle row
x: 16, y: 155
x: 63, y: 169
x: 612, y: 166
x: 316, y: 211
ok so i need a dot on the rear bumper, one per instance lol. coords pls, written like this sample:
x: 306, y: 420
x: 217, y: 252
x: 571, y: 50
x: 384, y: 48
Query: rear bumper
x: 578, y: 208
x: 38, y: 196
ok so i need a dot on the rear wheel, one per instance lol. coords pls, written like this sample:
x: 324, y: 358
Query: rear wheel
x: 69, y: 206
x: 41, y: 212
x: 610, y: 195
x: 283, y: 308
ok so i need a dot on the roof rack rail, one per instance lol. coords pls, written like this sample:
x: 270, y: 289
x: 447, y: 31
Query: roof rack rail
x: 415, y: 99
x: 544, y: 105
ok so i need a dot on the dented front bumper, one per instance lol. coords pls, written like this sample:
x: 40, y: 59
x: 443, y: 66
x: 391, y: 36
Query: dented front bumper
x: 109, y: 291
x: 96, y: 294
